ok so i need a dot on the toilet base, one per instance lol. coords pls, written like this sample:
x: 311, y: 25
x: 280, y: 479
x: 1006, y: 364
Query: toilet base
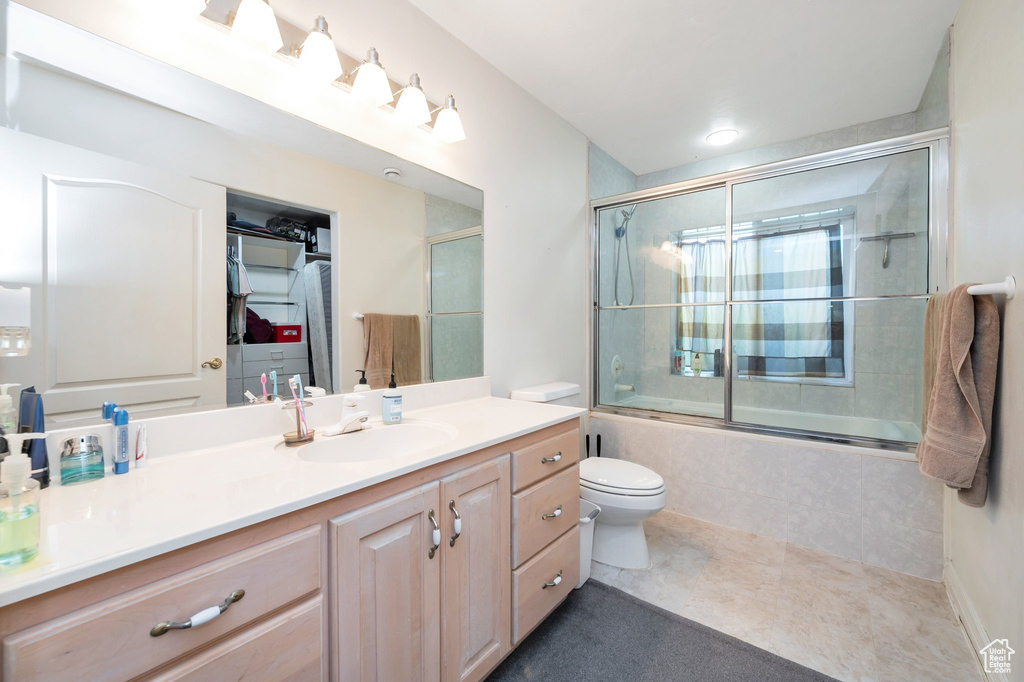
x: 621, y: 545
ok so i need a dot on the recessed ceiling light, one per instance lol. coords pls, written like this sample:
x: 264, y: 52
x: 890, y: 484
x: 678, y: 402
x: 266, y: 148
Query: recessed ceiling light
x: 720, y: 137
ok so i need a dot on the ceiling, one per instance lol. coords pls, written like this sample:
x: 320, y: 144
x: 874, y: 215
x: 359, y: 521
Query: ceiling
x: 648, y: 80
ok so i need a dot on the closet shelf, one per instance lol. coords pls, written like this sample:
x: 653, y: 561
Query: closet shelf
x: 269, y: 267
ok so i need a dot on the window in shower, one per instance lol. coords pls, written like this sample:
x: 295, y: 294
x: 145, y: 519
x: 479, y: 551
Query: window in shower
x: 455, y: 330
x: 782, y: 299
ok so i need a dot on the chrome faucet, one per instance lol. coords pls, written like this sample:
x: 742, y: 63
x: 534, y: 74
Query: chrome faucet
x: 353, y: 417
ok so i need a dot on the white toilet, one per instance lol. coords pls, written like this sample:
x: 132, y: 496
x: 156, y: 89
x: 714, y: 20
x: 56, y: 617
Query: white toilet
x: 627, y: 493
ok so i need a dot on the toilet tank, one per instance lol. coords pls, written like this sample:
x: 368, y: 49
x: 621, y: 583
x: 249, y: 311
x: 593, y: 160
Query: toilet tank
x: 556, y: 393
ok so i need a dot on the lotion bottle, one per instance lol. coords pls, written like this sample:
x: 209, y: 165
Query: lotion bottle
x: 391, y: 409
x: 8, y: 412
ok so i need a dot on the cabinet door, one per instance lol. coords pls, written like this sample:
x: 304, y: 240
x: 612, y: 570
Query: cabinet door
x: 386, y: 589
x: 477, y: 571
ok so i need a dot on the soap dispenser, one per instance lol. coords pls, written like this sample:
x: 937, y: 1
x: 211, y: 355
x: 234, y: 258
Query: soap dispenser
x: 19, y: 504
x: 362, y: 385
x: 391, y: 409
x: 8, y: 413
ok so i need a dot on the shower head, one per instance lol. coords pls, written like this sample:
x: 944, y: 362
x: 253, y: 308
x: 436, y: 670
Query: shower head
x: 620, y: 231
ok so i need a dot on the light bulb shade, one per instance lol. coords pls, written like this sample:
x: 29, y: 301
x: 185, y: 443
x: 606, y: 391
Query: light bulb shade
x: 372, y: 83
x: 448, y: 126
x: 256, y: 24
x: 319, y: 58
x: 412, y: 106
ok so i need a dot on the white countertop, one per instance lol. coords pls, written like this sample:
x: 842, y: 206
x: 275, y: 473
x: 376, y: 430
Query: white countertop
x: 181, y: 499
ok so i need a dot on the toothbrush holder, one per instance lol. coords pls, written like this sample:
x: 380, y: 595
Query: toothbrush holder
x: 295, y: 438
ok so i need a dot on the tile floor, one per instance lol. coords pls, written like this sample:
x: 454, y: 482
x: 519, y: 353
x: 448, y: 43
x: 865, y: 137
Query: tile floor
x: 841, y: 617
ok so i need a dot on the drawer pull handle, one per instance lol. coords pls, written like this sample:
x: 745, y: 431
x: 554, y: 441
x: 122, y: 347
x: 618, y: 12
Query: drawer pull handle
x: 456, y: 524
x: 435, y: 535
x: 204, y: 616
x: 549, y: 460
x: 553, y: 583
x: 554, y: 514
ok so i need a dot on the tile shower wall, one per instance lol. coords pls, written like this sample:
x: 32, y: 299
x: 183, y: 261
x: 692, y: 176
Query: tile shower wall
x: 833, y: 499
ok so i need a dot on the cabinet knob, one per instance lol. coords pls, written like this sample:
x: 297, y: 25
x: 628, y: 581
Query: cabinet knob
x: 204, y: 616
x: 216, y: 363
x: 456, y: 524
x: 556, y: 513
x: 435, y: 535
x: 553, y: 583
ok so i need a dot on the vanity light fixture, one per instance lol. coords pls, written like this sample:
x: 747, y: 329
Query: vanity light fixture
x: 371, y: 82
x: 256, y: 24
x: 412, y: 103
x: 721, y: 137
x: 448, y: 126
x: 318, y: 57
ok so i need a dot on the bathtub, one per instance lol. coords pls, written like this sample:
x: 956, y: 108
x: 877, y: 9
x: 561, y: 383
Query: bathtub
x: 827, y: 424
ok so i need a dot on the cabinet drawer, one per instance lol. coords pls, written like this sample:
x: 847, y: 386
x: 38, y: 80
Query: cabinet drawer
x: 289, y: 646
x: 262, y: 352
x: 285, y: 369
x: 111, y: 640
x: 535, y: 462
x: 531, y: 599
x: 532, y: 528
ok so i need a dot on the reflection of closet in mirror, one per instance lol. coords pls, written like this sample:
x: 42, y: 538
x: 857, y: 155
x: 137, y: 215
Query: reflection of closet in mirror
x: 278, y: 296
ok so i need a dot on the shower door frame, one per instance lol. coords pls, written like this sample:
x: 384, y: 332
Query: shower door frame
x: 935, y: 141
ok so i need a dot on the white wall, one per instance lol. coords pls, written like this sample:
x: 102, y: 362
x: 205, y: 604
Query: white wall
x: 530, y: 163
x: 987, y: 544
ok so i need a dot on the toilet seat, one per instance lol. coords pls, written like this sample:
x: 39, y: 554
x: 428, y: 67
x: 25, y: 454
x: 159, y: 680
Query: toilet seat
x: 619, y: 477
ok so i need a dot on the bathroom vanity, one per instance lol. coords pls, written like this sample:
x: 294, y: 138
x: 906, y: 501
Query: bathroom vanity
x: 425, y: 565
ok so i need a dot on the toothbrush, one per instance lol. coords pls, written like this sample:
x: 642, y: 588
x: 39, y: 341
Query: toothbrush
x: 293, y: 385
x: 273, y: 379
x: 263, y: 380
x: 302, y: 398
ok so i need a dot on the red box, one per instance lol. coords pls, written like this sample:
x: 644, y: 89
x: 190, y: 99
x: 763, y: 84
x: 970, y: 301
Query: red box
x: 287, y: 333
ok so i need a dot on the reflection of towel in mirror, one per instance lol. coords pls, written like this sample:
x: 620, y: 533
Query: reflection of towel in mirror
x: 955, y: 446
x: 378, y: 349
x: 407, y: 359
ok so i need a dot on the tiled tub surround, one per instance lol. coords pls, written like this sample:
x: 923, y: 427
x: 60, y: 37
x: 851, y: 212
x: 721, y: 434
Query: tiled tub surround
x: 844, y: 618
x: 841, y: 500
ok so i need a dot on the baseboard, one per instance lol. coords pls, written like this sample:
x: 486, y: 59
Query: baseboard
x: 969, y: 620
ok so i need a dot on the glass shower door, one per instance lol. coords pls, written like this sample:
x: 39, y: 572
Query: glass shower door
x: 455, y: 306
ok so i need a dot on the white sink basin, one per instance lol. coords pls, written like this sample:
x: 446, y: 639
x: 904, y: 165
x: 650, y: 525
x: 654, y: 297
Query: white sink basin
x: 378, y: 442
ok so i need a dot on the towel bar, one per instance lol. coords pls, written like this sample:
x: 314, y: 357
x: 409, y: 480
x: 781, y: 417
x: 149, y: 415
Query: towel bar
x: 1007, y: 287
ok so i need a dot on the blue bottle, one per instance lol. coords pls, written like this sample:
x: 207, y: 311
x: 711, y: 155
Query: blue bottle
x: 120, y: 441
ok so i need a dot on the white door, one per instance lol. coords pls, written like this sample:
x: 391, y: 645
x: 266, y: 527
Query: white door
x: 126, y: 267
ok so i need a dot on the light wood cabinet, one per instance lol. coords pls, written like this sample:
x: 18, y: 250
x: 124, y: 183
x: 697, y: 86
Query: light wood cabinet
x: 386, y: 586
x: 476, y: 596
x: 354, y: 588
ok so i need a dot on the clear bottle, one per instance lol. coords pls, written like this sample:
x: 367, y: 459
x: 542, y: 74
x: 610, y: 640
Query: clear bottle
x: 8, y: 412
x: 19, y: 505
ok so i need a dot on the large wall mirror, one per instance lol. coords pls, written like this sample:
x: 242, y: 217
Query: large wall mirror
x: 167, y: 263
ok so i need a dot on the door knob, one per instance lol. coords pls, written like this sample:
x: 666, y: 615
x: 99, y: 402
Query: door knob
x: 216, y: 363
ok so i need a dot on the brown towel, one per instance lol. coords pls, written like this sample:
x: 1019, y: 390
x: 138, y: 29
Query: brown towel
x: 378, y: 349
x: 407, y: 358
x: 955, y: 445
x: 932, y: 331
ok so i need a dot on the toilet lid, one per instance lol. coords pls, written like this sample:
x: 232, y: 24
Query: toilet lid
x: 617, y: 475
